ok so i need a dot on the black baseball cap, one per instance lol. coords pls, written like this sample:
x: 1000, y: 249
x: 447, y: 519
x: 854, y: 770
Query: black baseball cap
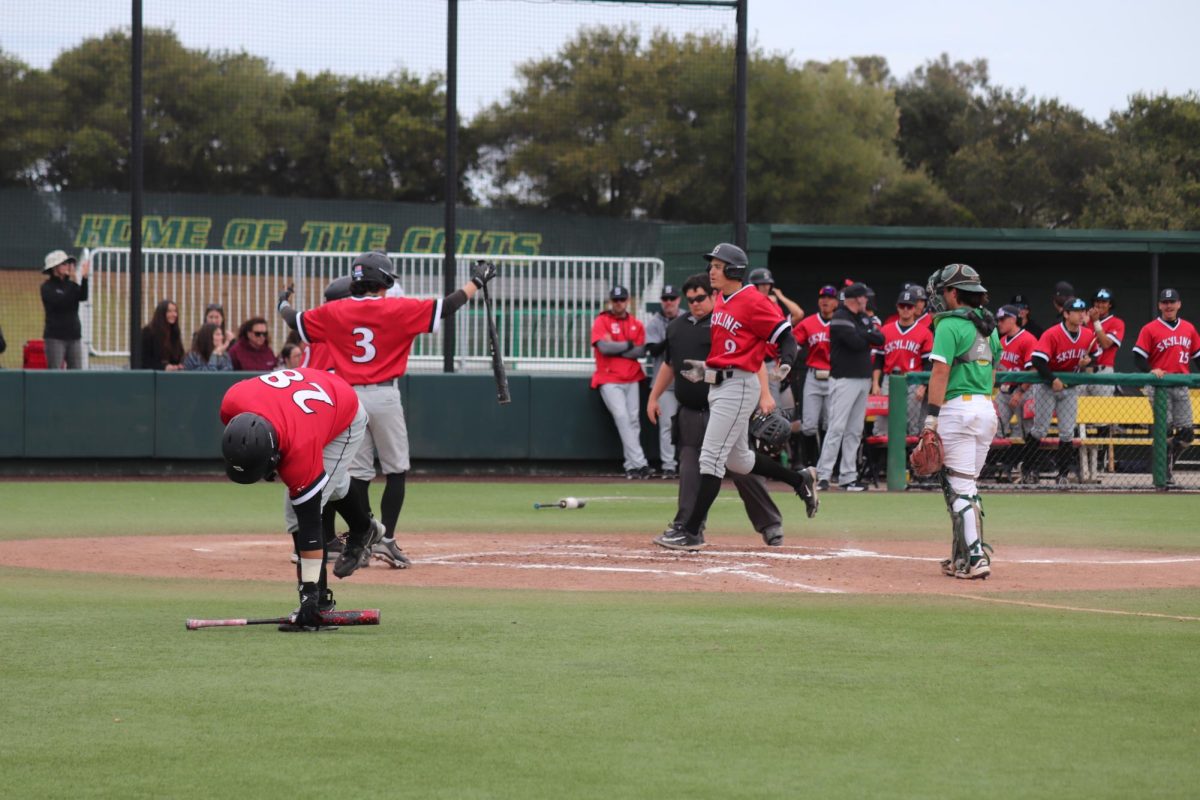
x: 906, y: 298
x: 1075, y: 304
x: 1019, y: 301
x: 1008, y: 311
x: 1064, y: 289
x: 1103, y: 294
x: 1168, y: 296
x: 618, y: 293
x: 669, y: 291
x: 856, y: 290
x: 827, y: 291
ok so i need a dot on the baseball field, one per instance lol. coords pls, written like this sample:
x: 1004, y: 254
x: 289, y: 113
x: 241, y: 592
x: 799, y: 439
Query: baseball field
x: 556, y: 653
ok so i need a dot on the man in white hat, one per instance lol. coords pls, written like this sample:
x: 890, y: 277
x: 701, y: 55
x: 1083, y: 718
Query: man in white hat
x: 61, y: 297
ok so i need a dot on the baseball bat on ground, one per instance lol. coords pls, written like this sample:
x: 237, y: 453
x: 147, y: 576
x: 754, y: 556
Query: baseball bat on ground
x: 566, y: 502
x: 365, y: 616
x: 498, y: 371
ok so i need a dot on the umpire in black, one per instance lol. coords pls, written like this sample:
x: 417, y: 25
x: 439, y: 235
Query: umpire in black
x: 689, y: 337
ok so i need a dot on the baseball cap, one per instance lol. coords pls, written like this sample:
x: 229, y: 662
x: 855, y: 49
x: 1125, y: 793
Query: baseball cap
x: 669, y: 291
x: 1103, y: 294
x: 856, y: 290
x: 906, y: 298
x: 1019, y: 301
x: 1008, y: 311
x: 1064, y: 289
x: 1075, y: 304
x: 762, y: 277
x: 56, y: 258
x: 918, y: 292
x: 618, y: 293
x: 827, y: 291
x: 1168, y: 296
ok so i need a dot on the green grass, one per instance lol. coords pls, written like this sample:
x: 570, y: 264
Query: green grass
x: 475, y: 693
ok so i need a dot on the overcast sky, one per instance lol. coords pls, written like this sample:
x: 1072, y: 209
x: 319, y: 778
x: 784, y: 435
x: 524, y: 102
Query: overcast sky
x: 1089, y: 55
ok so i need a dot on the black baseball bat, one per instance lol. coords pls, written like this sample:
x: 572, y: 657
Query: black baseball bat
x: 365, y: 616
x: 498, y: 371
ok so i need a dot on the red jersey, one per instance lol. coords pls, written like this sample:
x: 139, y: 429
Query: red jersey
x: 742, y: 326
x: 813, y: 333
x: 308, y: 409
x: 1063, y: 350
x: 1016, y: 351
x: 1168, y: 347
x: 904, y: 349
x: 617, y: 369
x: 369, y: 338
x: 316, y: 355
x: 1115, y: 328
x: 925, y: 320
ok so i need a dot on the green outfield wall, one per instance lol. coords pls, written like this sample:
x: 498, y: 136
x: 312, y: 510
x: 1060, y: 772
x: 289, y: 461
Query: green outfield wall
x: 65, y: 415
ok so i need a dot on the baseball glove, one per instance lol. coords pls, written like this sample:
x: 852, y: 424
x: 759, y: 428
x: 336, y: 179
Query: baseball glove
x: 928, y: 457
x: 771, y: 430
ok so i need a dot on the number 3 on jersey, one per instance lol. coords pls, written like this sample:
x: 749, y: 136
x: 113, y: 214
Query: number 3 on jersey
x: 365, y: 337
x: 286, y: 377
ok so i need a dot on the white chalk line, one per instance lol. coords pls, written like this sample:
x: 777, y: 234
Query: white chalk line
x: 1081, y: 609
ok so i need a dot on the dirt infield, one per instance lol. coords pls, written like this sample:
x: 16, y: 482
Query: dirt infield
x: 624, y: 563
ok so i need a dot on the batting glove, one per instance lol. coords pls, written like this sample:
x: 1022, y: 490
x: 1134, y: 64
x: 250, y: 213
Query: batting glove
x: 482, y: 272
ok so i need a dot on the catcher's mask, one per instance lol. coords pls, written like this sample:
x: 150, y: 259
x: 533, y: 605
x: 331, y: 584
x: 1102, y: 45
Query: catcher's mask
x: 250, y: 448
x: 771, y: 430
x: 954, y: 276
x: 371, y: 271
x: 734, y: 258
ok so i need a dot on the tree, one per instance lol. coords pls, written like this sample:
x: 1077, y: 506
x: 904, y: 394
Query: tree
x: 29, y: 105
x: 1153, y: 182
x: 933, y: 104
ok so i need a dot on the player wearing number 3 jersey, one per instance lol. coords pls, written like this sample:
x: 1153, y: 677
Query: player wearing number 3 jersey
x: 368, y: 337
x: 743, y: 323
x: 304, y: 425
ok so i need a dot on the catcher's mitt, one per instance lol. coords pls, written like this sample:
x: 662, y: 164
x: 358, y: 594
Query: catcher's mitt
x: 928, y: 457
x: 771, y: 430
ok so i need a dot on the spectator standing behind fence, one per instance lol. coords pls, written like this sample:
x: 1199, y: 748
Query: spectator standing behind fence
x: 1110, y: 332
x: 162, y: 344
x: 252, y: 351
x: 1067, y: 347
x: 852, y: 335
x: 618, y: 340
x: 61, y: 297
x: 906, y: 347
x: 656, y: 343
x: 208, y: 353
x: 1168, y: 345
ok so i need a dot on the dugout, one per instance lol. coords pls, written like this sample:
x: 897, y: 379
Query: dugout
x: 1133, y: 264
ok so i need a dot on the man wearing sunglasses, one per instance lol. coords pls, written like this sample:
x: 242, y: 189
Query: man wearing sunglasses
x: 689, y: 337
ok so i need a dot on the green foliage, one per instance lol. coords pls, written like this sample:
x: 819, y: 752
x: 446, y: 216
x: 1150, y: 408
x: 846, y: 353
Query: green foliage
x: 1153, y: 182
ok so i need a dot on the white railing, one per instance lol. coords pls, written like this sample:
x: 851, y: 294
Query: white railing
x: 544, y: 305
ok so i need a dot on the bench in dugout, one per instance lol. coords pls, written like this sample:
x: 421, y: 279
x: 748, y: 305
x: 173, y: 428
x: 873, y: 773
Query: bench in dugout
x: 1116, y: 434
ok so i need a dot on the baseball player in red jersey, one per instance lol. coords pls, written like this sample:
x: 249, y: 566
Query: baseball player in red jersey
x: 619, y: 342
x: 303, y: 425
x: 922, y: 316
x: 1168, y: 345
x: 368, y: 337
x: 1016, y: 349
x: 906, y: 348
x: 1066, y: 347
x: 812, y: 334
x: 743, y: 323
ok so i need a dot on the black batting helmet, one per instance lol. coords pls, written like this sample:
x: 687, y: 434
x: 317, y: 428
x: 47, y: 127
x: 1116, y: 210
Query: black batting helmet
x: 250, y: 448
x: 734, y: 258
x: 762, y: 277
x: 338, y: 289
x: 371, y: 271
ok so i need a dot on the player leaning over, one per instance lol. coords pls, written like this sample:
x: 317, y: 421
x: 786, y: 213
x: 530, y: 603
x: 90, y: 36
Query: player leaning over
x: 743, y: 323
x: 965, y: 352
x: 368, y: 337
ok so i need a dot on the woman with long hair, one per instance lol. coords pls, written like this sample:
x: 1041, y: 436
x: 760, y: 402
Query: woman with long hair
x: 208, y: 350
x: 252, y: 351
x: 162, y: 345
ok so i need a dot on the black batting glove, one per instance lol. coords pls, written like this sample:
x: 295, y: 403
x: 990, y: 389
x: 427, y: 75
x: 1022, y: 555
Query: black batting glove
x: 284, y: 297
x: 482, y: 272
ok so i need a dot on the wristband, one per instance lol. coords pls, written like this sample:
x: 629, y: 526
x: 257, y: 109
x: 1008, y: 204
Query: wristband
x: 933, y: 410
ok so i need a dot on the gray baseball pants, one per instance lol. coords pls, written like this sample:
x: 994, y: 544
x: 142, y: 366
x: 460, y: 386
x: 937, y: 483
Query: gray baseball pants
x: 815, y: 410
x: 621, y: 399
x: 847, y: 417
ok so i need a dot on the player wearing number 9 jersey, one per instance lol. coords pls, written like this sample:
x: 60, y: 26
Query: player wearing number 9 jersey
x: 368, y: 337
x: 304, y: 425
x: 743, y: 323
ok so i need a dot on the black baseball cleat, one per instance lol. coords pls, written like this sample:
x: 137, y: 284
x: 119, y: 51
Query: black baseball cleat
x: 808, y: 491
x: 679, y: 539
x: 350, y: 560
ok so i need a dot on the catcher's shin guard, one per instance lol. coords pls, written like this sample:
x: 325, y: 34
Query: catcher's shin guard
x: 966, y: 561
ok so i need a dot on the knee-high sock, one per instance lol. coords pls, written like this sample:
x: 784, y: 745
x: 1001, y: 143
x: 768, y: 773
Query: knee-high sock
x: 1064, y: 456
x: 392, y: 502
x: 769, y: 468
x: 710, y: 487
x: 355, y: 514
x: 360, y: 490
x: 329, y: 523
x: 810, y: 450
x: 1029, y: 454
